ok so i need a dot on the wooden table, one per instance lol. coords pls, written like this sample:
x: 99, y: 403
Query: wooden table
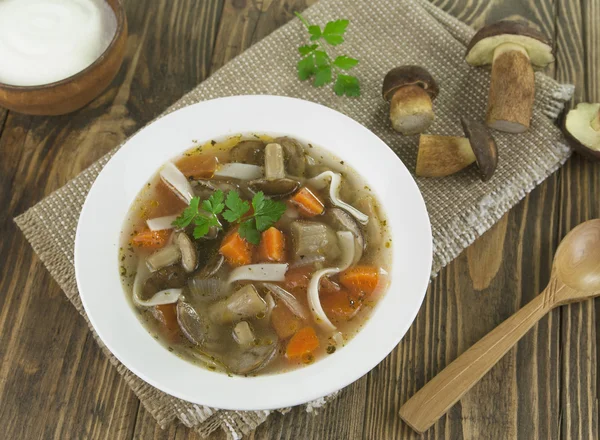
x: 55, y: 382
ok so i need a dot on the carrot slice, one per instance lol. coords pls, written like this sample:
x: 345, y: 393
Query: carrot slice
x: 341, y: 305
x: 272, y: 246
x: 307, y: 203
x: 151, y: 239
x: 167, y: 315
x: 360, y: 279
x: 236, y: 250
x: 302, y: 344
x: 198, y: 166
x: 284, y: 322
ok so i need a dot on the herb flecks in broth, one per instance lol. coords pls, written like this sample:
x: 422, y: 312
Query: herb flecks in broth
x: 275, y: 261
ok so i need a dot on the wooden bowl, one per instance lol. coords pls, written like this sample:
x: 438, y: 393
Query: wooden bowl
x: 74, y: 92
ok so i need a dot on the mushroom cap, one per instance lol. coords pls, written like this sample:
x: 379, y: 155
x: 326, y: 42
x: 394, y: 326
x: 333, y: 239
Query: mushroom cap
x: 483, y: 145
x: 577, y: 126
x: 480, y: 51
x: 406, y: 76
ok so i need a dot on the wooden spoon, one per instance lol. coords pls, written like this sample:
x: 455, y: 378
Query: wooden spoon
x: 575, y: 277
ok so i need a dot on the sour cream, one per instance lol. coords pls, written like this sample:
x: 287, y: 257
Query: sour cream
x: 43, y: 41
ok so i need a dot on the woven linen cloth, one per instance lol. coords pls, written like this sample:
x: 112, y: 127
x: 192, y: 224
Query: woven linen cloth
x: 382, y: 34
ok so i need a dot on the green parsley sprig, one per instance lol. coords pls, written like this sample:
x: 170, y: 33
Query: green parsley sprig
x: 265, y: 213
x: 317, y: 63
x: 205, y: 219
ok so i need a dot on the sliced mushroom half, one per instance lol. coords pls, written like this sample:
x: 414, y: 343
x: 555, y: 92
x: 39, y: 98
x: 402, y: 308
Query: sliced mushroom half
x: 163, y: 257
x: 582, y: 127
x: 189, y: 254
x: 275, y: 184
x: 294, y: 155
x: 441, y: 156
x: 196, y: 328
x: 250, y: 152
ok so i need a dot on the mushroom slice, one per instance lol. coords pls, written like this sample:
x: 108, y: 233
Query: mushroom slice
x: 294, y: 155
x: 243, y: 334
x: 441, y: 156
x: 250, y: 152
x: 335, y: 181
x: 582, y: 127
x: 256, y: 357
x: 177, y: 182
x: 163, y: 257
x: 410, y: 91
x: 274, y: 188
x: 196, y: 327
x: 345, y: 222
x: 245, y: 303
x: 512, y: 49
x: 189, y: 254
x: 213, y: 266
x: 160, y: 293
x: 274, y: 162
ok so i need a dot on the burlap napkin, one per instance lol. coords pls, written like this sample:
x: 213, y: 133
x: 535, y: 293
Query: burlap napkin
x: 382, y: 34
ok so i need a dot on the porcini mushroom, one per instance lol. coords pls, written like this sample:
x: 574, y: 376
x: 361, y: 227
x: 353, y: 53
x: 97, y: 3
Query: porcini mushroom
x: 410, y: 91
x: 513, y: 49
x: 441, y: 156
x: 582, y: 127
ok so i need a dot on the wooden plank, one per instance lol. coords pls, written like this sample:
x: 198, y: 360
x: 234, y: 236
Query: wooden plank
x: 577, y: 48
x: 54, y: 381
x: 480, y: 289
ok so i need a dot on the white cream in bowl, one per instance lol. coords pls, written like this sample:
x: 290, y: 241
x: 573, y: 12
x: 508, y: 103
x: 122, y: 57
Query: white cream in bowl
x: 44, y: 41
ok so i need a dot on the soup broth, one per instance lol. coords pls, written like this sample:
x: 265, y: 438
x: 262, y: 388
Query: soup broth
x: 255, y: 254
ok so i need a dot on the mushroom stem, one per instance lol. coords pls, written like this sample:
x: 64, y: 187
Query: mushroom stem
x: 441, y: 156
x: 512, y: 90
x: 596, y: 122
x: 411, y: 110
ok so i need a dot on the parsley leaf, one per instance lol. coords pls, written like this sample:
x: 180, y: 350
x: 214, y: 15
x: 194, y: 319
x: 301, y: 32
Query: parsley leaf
x: 306, y: 67
x: 323, y: 77
x: 249, y: 232
x: 305, y: 50
x: 317, y: 63
x: 202, y: 227
x: 214, y: 204
x: 268, y: 213
x: 236, y: 207
x: 344, y: 62
x: 188, y: 214
x: 347, y: 85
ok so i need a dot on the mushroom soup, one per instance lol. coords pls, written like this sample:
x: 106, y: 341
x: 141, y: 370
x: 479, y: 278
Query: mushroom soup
x: 255, y: 255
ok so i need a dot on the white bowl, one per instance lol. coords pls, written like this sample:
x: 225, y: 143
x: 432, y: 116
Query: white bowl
x: 97, y: 247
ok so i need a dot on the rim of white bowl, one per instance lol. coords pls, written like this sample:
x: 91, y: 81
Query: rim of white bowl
x: 98, y: 233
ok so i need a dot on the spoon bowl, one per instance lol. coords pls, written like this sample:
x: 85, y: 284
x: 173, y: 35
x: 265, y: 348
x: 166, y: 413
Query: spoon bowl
x: 577, y: 260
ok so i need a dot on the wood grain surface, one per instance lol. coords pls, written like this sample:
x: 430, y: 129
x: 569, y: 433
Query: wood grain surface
x: 56, y: 384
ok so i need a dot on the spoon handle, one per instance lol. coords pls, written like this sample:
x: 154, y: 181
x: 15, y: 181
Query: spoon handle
x: 431, y: 402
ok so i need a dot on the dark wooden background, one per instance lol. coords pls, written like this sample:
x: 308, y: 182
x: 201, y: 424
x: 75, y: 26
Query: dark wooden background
x: 55, y: 382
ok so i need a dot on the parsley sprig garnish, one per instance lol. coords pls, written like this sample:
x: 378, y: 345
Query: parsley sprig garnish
x: 317, y: 63
x: 205, y: 219
x: 265, y: 213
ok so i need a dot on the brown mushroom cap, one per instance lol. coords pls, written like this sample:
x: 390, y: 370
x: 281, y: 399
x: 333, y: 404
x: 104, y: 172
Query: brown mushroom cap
x: 483, y: 145
x: 406, y: 76
x: 480, y: 51
x: 581, y: 126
